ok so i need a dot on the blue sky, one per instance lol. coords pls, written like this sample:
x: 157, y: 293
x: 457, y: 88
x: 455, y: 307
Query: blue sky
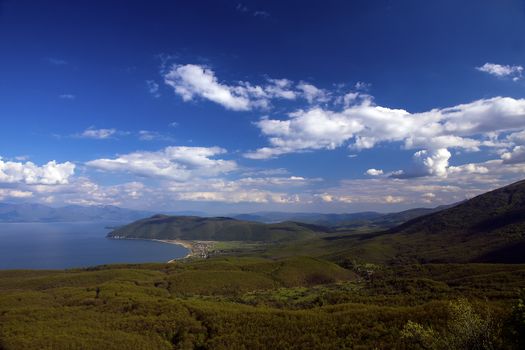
x: 228, y: 106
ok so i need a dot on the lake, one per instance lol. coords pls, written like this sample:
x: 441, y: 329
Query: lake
x: 69, y: 245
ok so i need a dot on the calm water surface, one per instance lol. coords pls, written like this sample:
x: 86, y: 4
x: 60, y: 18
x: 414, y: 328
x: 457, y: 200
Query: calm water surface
x: 68, y: 245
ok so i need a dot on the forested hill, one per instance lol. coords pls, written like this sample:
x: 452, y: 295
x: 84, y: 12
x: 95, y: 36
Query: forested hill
x: 215, y: 229
x: 500, y: 210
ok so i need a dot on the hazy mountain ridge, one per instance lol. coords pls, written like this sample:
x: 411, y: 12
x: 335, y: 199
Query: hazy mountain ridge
x: 32, y: 212
x: 344, y: 220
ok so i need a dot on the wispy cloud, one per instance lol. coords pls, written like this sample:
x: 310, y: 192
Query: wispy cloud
x: 153, y: 88
x: 67, y: 96
x: 243, y: 8
x: 100, y: 134
x: 56, y: 61
x: 263, y: 14
x: 148, y: 135
x: 502, y: 71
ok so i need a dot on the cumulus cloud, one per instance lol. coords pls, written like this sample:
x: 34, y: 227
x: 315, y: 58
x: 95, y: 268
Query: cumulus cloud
x: 305, y: 130
x: 501, y: 71
x: 100, y: 134
x: 427, y: 163
x: 363, y: 125
x: 51, y: 173
x: 175, y: 162
x: 374, y: 172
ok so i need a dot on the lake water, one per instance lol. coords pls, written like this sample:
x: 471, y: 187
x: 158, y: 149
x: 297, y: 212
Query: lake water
x: 68, y: 245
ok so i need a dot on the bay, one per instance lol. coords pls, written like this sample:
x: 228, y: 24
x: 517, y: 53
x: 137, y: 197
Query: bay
x: 71, y: 245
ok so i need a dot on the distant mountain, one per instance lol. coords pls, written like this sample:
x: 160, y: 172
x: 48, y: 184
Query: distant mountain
x: 215, y: 228
x: 41, y: 213
x: 369, y: 219
x: 487, y: 228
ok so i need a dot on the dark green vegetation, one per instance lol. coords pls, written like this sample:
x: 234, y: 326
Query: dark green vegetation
x: 448, y: 280
x: 254, y: 303
x: 212, y: 229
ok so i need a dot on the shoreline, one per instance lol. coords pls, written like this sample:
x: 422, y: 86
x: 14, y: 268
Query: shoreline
x: 196, y: 249
x: 186, y: 244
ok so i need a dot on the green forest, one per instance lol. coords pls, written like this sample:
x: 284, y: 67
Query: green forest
x: 256, y: 303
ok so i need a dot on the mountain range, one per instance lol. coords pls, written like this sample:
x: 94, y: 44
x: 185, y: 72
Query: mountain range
x: 31, y: 212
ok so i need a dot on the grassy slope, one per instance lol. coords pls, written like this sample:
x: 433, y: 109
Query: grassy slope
x: 214, y: 229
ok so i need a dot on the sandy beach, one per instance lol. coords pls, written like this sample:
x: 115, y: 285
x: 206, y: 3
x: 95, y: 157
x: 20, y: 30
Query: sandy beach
x: 186, y: 244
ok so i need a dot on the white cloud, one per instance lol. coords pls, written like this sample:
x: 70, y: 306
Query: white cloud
x: 313, y: 94
x: 51, y: 173
x: 374, y: 172
x: 282, y: 88
x: 392, y: 199
x: 17, y: 194
x: 470, y: 168
x: 99, y: 134
x: 190, y: 81
x: 498, y: 70
x: 313, y: 129
x: 469, y: 126
x: 243, y: 190
x: 148, y: 135
x: 176, y: 163
x: 332, y: 198
x: 67, y: 96
x: 516, y: 155
x: 427, y: 163
x: 428, y: 197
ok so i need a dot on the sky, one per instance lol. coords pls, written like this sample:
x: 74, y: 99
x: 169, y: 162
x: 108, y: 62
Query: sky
x: 228, y: 106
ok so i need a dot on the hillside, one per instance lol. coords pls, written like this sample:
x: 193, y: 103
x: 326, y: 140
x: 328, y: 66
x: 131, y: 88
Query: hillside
x: 487, y: 228
x: 212, y: 229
